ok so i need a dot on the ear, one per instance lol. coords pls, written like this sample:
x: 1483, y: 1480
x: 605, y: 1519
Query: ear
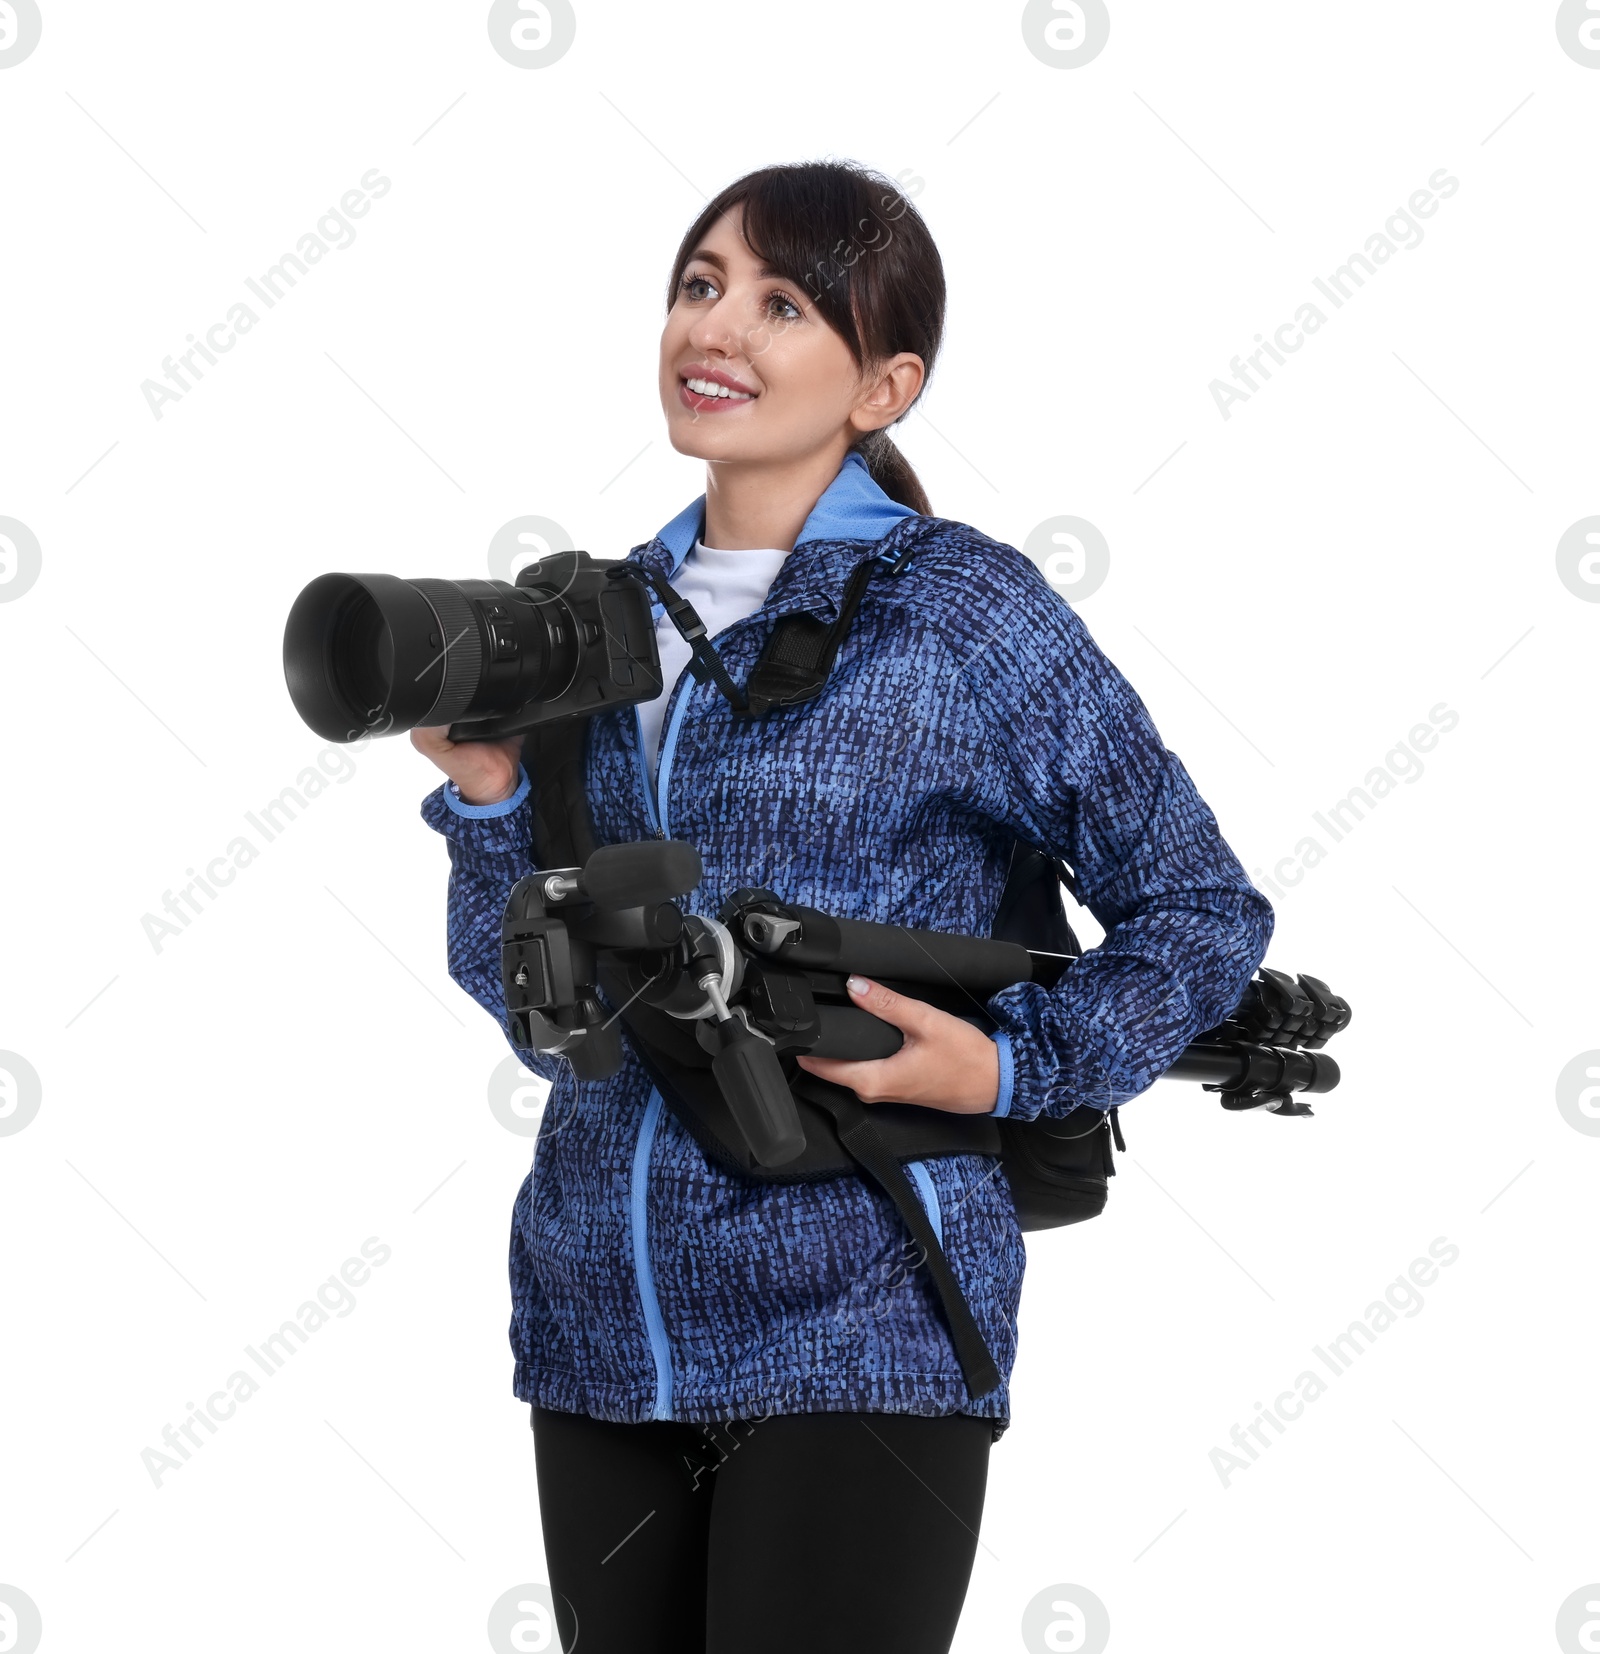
x: 894, y: 390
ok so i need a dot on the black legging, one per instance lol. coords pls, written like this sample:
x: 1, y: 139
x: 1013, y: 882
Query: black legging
x: 785, y: 1535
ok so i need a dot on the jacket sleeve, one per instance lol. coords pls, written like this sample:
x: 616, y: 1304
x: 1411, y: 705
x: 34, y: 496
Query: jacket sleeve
x: 491, y: 847
x: 1080, y: 770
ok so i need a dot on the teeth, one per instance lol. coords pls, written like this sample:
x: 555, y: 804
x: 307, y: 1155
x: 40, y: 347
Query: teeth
x: 707, y: 387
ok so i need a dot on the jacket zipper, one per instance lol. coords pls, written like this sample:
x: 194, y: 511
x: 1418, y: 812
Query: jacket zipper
x: 644, y: 1276
x: 638, y: 1221
x: 660, y: 1350
x: 655, y: 799
x: 644, y: 774
x: 668, y: 747
x: 655, y: 802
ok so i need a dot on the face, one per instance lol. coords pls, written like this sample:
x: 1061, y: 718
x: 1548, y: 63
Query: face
x: 752, y: 373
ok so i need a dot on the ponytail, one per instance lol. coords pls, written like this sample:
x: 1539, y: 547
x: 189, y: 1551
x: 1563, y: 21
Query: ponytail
x: 892, y: 471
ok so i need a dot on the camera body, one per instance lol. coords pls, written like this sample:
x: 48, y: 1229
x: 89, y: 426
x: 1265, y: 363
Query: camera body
x: 371, y: 654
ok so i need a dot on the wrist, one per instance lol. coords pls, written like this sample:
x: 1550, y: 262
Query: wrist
x: 504, y: 804
x: 481, y: 803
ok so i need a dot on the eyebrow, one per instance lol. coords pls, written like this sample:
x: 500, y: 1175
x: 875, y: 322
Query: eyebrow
x: 708, y: 257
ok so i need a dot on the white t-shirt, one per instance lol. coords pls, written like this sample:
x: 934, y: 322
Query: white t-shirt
x: 724, y: 586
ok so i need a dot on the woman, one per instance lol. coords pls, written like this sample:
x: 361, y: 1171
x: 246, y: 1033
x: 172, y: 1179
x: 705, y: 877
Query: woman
x: 750, y: 1425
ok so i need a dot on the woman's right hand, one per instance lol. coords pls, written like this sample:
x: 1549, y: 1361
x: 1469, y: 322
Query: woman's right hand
x: 485, y: 772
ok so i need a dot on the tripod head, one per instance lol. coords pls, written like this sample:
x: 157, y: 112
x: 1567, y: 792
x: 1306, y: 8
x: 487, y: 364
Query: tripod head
x: 559, y: 924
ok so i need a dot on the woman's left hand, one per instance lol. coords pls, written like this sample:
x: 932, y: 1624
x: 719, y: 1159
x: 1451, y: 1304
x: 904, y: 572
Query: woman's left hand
x: 944, y: 1063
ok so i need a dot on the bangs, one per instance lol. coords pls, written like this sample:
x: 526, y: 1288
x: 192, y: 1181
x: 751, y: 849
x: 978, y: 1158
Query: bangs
x: 815, y: 234
x: 817, y: 227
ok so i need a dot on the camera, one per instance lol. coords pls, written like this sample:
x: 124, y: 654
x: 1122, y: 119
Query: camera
x: 367, y: 654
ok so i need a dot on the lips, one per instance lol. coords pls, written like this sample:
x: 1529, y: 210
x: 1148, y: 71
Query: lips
x: 710, y: 390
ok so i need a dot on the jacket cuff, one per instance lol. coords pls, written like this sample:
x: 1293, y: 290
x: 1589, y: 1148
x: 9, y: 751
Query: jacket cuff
x: 1008, y: 1070
x: 488, y: 829
x: 486, y: 812
x: 1050, y: 1063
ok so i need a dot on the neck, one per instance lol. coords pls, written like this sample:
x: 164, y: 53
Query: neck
x: 753, y: 506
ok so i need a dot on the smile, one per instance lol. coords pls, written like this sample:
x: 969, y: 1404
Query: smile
x: 709, y: 387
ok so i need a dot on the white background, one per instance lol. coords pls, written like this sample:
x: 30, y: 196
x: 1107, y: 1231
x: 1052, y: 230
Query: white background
x: 1372, y: 534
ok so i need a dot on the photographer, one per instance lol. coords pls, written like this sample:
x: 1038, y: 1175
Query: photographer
x: 750, y: 1427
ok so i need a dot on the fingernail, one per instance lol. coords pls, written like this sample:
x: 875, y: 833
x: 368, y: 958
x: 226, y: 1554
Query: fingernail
x: 856, y: 984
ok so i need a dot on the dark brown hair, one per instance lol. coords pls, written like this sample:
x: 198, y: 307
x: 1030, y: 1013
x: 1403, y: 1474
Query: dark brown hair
x: 864, y: 256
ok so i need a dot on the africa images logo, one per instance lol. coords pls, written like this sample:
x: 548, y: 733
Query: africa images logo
x: 21, y: 1625
x: 1066, y: 34
x: 1402, y: 1297
x: 532, y: 34
x: 1578, y: 30
x: 20, y: 28
x: 20, y: 557
x: 1400, y: 232
x: 21, y: 1092
x: 333, y: 232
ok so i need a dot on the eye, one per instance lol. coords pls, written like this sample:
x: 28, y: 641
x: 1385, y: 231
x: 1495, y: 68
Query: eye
x: 782, y: 308
x: 690, y: 287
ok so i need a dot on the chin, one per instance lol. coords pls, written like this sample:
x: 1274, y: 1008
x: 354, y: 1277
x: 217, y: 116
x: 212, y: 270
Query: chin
x: 697, y: 442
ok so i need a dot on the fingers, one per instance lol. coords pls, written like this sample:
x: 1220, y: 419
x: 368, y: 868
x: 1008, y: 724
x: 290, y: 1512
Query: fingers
x: 942, y: 1062
x: 431, y: 739
x: 905, y: 1013
x: 859, y: 1077
x: 842, y: 1070
x: 872, y: 1079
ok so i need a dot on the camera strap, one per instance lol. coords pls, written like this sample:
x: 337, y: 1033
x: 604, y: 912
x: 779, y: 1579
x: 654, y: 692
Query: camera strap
x: 798, y: 655
x: 705, y: 662
x: 792, y: 668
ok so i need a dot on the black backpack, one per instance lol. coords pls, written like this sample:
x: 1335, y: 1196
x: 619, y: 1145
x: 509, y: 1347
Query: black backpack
x: 1056, y: 1168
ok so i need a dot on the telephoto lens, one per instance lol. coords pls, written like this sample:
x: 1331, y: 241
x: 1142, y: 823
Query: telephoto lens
x: 371, y: 654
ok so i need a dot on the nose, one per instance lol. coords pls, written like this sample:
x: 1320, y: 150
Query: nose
x: 713, y: 332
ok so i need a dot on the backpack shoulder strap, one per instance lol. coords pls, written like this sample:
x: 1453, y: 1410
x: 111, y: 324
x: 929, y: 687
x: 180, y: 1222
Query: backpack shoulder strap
x: 554, y: 755
x: 798, y: 656
x: 858, y: 1132
x: 1030, y: 910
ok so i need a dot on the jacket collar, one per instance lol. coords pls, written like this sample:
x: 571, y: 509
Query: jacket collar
x: 853, y: 511
x: 852, y: 507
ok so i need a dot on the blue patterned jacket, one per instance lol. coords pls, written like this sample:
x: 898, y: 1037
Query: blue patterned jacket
x: 967, y: 707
